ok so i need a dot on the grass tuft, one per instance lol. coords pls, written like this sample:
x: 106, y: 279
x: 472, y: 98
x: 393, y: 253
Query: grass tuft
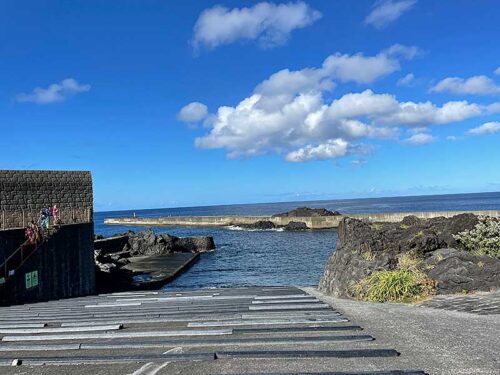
x: 404, y: 284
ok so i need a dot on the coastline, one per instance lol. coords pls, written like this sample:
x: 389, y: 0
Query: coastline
x: 312, y: 222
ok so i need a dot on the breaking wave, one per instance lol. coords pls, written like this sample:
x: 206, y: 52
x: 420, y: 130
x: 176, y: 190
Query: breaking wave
x: 236, y: 227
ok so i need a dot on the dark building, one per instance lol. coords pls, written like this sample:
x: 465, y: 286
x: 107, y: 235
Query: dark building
x: 60, y: 266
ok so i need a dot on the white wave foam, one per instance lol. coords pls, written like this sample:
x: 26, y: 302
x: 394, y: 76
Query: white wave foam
x: 236, y: 227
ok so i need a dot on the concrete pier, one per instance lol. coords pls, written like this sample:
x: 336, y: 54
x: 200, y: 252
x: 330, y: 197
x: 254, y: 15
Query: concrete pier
x: 317, y: 222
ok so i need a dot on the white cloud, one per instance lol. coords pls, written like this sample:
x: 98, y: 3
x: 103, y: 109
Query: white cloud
x: 333, y: 148
x: 478, y: 85
x: 193, y: 112
x: 487, y: 128
x: 386, y: 11
x: 56, y: 92
x: 407, y: 80
x: 497, y: 71
x: 268, y: 23
x: 420, y: 139
x: 289, y: 114
x: 384, y: 109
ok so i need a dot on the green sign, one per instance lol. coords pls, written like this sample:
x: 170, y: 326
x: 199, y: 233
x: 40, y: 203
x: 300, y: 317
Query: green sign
x: 31, y: 279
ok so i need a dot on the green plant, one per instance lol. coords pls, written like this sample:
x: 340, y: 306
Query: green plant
x: 484, y: 239
x: 404, y: 284
x: 404, y: 226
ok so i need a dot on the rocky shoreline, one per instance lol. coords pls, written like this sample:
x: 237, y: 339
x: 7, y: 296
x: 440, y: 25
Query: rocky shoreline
x: 115, y: 257
x: 366, y: 248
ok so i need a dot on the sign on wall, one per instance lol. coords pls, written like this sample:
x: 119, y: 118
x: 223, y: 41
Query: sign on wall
x: 31, y: 279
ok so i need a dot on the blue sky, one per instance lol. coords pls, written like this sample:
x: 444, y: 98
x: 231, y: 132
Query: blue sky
x: 292, y: 100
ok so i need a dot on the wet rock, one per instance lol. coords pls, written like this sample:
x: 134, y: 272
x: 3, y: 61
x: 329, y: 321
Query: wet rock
x: 295, y: 226
x: 260, y: 225
x: 198, y: 244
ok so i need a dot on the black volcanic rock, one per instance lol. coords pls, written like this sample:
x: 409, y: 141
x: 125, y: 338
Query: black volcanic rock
x: 295, y: 226
x: 111, y: 254
x: 148, y: 243
x: 458, y: 271
x: 308, y: 212
x: 259, y: 225
x: 365, y: 247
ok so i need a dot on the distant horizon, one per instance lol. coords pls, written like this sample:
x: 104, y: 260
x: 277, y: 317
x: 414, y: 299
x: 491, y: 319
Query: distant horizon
x: 201, y: 103
x: 299, y: 201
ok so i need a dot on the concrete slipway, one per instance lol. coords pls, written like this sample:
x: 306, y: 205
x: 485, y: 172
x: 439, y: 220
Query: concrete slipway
x: 278, y: 330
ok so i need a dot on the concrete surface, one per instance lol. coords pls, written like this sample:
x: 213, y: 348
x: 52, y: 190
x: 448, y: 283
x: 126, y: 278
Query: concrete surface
x: 205, y: 331
x: 440, y: 341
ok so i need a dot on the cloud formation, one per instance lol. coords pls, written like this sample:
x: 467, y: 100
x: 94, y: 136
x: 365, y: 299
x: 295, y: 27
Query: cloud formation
x: 420, y: 139
x: 497, y: 71
x: 56, y: 92
x: 407, y: 80
x: 332, y: 148
x: 288, y: 113
x: 268, y: 23
x: 385, y: 12
x: 193, y: 112
x: 476, y: 85
x: 487, y: 128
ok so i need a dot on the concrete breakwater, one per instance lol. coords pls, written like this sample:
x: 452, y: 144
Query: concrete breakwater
x: 312, y: 222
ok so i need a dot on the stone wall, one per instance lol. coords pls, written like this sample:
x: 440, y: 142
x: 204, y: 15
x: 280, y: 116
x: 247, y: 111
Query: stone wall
x: 24, y: 193
x: 64, y: 266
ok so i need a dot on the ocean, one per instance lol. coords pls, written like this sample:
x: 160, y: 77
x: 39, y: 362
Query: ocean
x: 272, y: 258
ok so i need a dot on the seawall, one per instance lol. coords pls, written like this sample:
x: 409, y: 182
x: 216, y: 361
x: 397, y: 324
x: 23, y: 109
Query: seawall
x: 318, y: 222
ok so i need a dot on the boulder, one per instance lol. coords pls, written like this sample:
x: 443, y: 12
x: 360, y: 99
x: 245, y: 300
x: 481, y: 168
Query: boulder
x: 199, y: 244
x: 457, y: 271
x: 308, y: 212
x: 364, y: 247
x: 296, y: 225
x: 260, y: 225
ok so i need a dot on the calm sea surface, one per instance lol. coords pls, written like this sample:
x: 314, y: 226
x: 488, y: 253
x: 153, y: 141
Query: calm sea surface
x: 246, y: 258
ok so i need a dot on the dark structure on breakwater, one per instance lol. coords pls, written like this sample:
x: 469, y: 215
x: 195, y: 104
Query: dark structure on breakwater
x: 63, y: 264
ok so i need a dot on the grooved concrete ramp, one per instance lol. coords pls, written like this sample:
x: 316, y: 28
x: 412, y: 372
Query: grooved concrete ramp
x: 275, y: 330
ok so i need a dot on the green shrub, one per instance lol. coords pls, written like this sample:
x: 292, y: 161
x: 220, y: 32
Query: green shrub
x: 484, y: 239
x: 404, y: 284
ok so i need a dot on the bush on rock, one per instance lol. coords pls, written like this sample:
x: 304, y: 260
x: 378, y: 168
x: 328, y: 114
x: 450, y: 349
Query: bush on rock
x: 483, y: 239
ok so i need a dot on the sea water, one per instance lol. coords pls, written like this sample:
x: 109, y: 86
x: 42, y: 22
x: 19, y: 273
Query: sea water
x: 275, y: 257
